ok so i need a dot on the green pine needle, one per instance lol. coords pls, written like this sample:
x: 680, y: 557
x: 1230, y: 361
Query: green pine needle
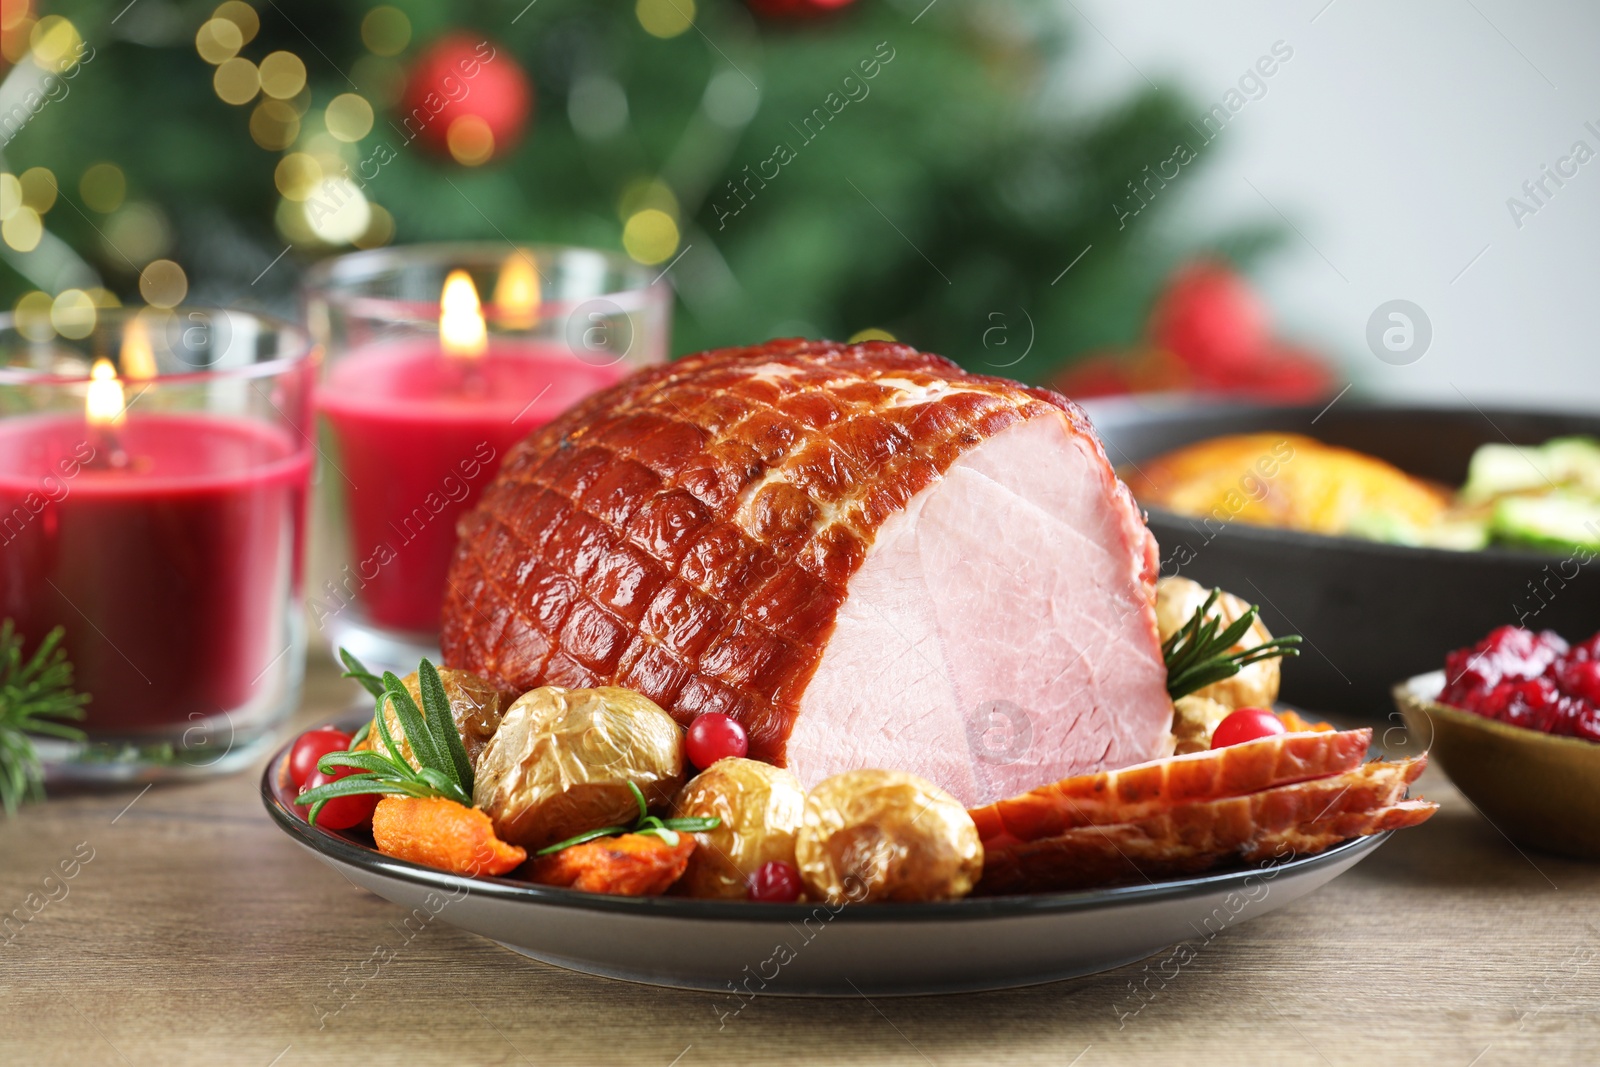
x: 34, y: 695
x: 1197, y: 655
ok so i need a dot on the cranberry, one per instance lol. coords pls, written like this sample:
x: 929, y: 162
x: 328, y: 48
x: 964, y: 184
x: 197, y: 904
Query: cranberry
x: 714, y: 736
x: 1246, y: 724
x: 1535, y: 704
x: 1587, y: 650
x: 1474, y: 675
x: 1586, y: 723
x: 775, y: 882
x: 1581, y: 678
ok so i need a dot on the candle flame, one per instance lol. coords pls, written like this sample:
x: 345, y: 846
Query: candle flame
x: 137, y: 357
x: 516, y: 294
x: 104, y: 405
x: 461, y: 327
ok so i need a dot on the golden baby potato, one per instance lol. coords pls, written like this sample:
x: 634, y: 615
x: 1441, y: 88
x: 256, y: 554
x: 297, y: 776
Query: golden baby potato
x: 759, y: 806
x: 1256, y: 686
x: 476, y: 705
x: 875, y: 835
x: 561, y: 761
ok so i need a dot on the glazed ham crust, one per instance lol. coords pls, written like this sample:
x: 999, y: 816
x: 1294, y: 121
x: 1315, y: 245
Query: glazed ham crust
x: 691, y: 533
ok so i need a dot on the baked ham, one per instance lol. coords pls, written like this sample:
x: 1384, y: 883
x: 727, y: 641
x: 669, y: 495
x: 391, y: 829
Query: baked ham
x: 866, y: 555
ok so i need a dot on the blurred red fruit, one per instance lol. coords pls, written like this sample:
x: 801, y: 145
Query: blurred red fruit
x: 1210, y: 318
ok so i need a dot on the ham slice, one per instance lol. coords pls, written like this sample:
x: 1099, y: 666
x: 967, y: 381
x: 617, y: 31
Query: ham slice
x: 1187, y: 838
x: 1149, y: 789
x: 867, y: 556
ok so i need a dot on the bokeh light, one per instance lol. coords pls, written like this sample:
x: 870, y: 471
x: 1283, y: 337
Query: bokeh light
x: 380, y: 229
x: 218, y: 40
x: 102, y: 187
x: 297, y: 174
x: 241, y: 15
x: 38, y: 186
x: 236, y: 81
x: 73, y: 314
x: 137, y: 233
x: 339, y: 213
x: 650, y: 236
x: 348, y: 117
x: 10, y: 195
x: 55, y: 43
x: 664, y: 18
x: 470, y: 140
x: 22, y: 229
x: 274, y: 124
x: 385, y: 30
x: 163, y: 284
x: 283, y: 75
x: 32, y: 316
x: 872, y: 333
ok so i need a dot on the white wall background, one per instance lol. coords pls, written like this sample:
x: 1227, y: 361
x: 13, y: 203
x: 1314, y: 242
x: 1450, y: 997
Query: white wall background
x: 1392, y: 140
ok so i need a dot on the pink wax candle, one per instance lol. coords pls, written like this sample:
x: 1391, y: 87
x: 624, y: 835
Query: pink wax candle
x: 418, y: 433
x: 171, y: 570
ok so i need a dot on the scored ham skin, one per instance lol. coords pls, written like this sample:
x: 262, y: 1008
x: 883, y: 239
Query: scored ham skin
x: 705, y: 530
x: 1148, y: 789
x: 1307, y: 816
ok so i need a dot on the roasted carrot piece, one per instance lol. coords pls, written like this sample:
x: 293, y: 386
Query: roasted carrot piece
x: 632, y: 865
x: 1299, y: 724
x: 436, y: 832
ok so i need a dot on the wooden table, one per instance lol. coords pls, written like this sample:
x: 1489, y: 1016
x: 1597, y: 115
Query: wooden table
x: 198, y: 933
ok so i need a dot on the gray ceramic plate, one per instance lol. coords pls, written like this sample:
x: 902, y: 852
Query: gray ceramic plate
x: 741, y: 950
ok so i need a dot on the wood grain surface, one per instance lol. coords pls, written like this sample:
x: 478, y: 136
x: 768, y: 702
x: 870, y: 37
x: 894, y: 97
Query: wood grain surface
x: 198, y: 933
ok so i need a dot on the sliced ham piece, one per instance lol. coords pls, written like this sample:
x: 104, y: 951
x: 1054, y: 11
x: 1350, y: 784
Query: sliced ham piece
x: 867, y: 556
x: 1191, y: 837
x: 1149, y: 789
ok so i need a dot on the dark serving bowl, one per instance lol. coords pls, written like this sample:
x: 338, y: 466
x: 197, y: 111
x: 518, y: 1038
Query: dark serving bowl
x: 1371, y: 613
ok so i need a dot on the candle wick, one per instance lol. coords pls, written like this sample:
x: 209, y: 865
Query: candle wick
x: 108, y: 451
x: 470, y: 379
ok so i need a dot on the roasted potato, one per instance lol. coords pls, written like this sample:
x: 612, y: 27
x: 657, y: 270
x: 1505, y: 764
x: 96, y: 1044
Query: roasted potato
x: 1193, y: 719
x: 759, y: 806
x: 476, y: 705
x: 562, y: 759
x: 1177, y: 599
x: 876, y: 835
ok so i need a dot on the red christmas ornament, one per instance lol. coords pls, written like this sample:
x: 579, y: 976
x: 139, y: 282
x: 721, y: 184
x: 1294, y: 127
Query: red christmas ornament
x: 796, y: 9
x: 466, y: 99
x: 1210, y: 318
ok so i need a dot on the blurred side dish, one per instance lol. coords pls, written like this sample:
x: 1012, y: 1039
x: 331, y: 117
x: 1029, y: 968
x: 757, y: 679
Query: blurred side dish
x: 1537, y: 496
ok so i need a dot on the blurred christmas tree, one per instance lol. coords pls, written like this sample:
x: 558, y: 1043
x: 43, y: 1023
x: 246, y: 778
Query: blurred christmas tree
x: 817, y: 167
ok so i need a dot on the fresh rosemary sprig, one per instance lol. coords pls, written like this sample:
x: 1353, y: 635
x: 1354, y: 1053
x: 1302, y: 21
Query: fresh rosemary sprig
x: 645, y: 825
x: 444, y: 769
x: 32, y: 695
x: 1198, y: 656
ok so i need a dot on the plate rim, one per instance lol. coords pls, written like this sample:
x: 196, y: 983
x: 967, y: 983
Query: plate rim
x: 328, y: 845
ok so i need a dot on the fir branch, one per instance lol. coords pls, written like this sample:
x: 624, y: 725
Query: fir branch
x: 1197, y: 655
x: 34, y: 696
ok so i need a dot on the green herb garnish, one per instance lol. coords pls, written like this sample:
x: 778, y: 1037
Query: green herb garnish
x: 645, y: 825
x: 32, y: 695
x: 443, y: 771
x: 1198, y: 656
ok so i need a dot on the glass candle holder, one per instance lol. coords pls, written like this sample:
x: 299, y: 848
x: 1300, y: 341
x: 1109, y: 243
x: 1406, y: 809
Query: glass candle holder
x: 437, y: 360
x: 154, y: 470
